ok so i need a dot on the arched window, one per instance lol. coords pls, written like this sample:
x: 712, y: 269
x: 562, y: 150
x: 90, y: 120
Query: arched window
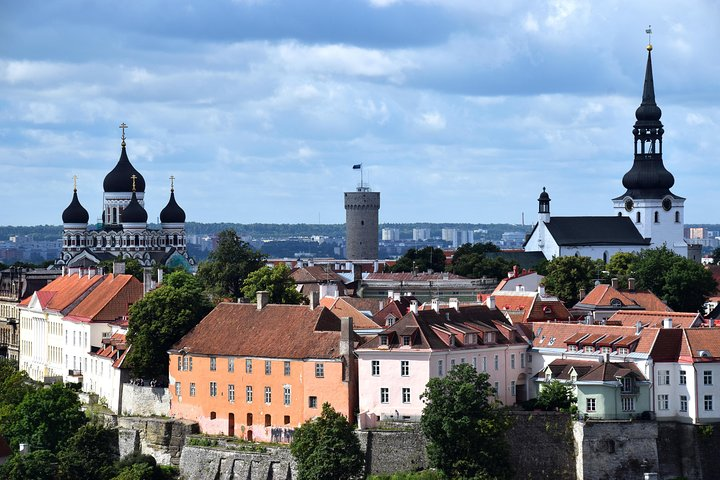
x: 268, y: 420
x: 605, y: 256
x: 137, y: 240
x: 175, y: 239
x: 677, y: 217
x: 638, y: 217
x: 657, y: 217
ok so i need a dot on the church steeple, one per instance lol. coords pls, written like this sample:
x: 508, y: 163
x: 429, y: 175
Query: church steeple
x: 648, y: 177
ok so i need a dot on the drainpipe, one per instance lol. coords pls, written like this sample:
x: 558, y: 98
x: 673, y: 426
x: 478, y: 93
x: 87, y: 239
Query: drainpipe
x: 697, y: 399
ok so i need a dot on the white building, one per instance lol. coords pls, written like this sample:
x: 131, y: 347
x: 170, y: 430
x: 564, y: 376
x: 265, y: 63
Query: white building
x: 390, y: 234
x: 421, y: 234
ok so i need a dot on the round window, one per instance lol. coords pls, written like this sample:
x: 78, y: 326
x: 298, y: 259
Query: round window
x: 629, y: 204
x: 667, y: 204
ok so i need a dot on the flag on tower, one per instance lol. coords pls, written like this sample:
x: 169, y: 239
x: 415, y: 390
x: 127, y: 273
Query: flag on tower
x: 357, y: 167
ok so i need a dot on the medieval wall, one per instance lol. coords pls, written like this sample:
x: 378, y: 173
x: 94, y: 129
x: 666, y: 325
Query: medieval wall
x: 145, y: 401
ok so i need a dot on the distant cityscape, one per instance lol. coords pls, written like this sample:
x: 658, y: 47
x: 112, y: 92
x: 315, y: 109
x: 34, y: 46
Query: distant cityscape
x: 39, y: 244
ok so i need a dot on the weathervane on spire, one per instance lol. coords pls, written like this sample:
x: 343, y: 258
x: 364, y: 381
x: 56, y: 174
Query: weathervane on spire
x: 74, y: 183
x: 649, y: 34
x: 172, y: 183
x: 133, y: 176
x: 123, y: 127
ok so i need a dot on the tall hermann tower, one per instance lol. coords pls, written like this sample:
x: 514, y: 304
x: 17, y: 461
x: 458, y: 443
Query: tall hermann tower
x: 656, y: 212
x: 361, y: 222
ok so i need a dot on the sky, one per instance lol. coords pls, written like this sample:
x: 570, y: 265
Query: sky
x: 459, y: 110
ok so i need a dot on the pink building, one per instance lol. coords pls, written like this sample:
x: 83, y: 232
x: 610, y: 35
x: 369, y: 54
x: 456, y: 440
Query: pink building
x: 395, y: 366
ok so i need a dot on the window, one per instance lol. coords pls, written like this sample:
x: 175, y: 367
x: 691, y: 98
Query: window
x: 513, y: 388
x: 248, y: 366
x: 213, y: 389
x: 268, y: 367
x: 384, y: 395
x: 268, y: 420
x: 522, y: 360
x: 708, y: 403
x: 512, y: 360
x: 213, y: 415
x: 192, y: 389
x: 312, y: 402
x: 383, y: 340
x: 231, y: 364
x: 406, y: 341
x: 590, y: 404
x: 683, y: 377
x: 663, y: 402
x: 405, y: 368
x: 231, y: 393
x: 637, y: 217
x: 572, y: 348
x: 707, y: 377
x: 406, y: 395
x: 677, y: 217
x: 248, y: 394
x: 319, y: 370
x: 484, y: 364
x: 628, y: 404
x: 627, y: 385
x: 440, y: 368
x: 286, y: 395
x: 475, y: 363
x: 497, y: 388
x: 286, y: 419
x: 286, y: 368
x: 213, y: 364
x: 683, y: 403
x: 177, y: 389
x: 452, y: 363
x: 663, y: 377
x: 268, y: 395
x: 497, y: 362
x: 657, y: 217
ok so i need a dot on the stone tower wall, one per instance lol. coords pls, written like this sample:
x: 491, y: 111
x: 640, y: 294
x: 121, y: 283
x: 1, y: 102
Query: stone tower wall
x: 361, y: 223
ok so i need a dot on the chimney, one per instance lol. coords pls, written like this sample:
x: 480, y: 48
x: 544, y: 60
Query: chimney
x: 541, y: 290
x: 391, y: 294
x: 160, y: 275
x: 711, y: 322
x: 614, y: 283
x: 490, y: 302
x: 667, y: 323
x: 414, y: 306
x: 311, y: 262
x: 454, y: 303
x: 263, y: 297
x: 396, y: 296
x: 376, y: 266
x: 631, y: 284
x: 314, y: 300
x: 346, y: 350
x: 299, y: 263
x: 582, y: 293
x: 638, y: 327
x: 147, y: 279
x: 118, y: 268
x: 435, y: 304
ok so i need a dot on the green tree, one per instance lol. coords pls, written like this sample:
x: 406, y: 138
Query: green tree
x: 428, y: 258
x: 44, y: 418
x: 160, y: 319
x: 228, y: 265
x: 36, y: 465
x: 556, y: 396
x: 464, y: 427
x: 326, y: 448
x: 276, y: 281
x: 90, y: 453
x: 621, y: 266
x: 567, y: 275
x: 14, y: 384
x: 472, y: 261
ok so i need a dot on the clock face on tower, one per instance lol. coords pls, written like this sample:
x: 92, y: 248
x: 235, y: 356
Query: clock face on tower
x: 629, y: 204
x: 667, y: 204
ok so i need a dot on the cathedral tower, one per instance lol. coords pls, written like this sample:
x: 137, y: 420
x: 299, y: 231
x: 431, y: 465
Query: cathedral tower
x: 656, y: 212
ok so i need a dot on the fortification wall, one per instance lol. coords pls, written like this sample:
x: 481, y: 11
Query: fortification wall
x: 145, y: 400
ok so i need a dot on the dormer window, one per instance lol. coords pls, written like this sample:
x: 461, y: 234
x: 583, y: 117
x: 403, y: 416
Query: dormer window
x: 406, y: 340
x: 489, y: 337
x: 623, y: 351
x: 452, y: 339
x: 572, y: 348
x: 589, y: 349
x: 390, y: 321
x: 383, y: 340
x: 470, y: 339
x: 548, y: 375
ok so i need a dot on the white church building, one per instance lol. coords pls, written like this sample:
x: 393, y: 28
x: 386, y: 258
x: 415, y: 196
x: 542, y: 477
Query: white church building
x: 648, y: 215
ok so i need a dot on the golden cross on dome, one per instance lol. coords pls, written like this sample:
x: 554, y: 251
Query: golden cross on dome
x: 172, y: 183
x: 75, y: 183
x: 123, y: 127
x: 133, y: 176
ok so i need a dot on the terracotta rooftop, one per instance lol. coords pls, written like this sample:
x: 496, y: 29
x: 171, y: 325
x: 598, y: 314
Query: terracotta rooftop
x: 276, y: 331
x: 316, y: 274
x: 110, y: 299
x: 655, y: 319
x: 555, y: 335
x: 603, y: 295
x: 342, y: 308
x: 64, y: 291
x: 701, y: 344
x: 413, y: 277
x: 594, y: 371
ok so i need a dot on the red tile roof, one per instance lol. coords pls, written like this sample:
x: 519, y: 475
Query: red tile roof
x: 655, y: 318
x: 342, y: 308
x: 603, y: 295
x: 64, y: 291
x: 594, y: 371
x: 409, y: 276
x: 554, y: 335
x: 110, y: 299
x: 701, y: 344
x: 276, y: 331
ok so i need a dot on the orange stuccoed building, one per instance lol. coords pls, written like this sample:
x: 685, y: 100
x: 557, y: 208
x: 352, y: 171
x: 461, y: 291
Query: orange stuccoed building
x: 259, y: 371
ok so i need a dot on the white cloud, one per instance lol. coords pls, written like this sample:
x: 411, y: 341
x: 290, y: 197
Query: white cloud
x: 433, y: 120
x: 531, y: 24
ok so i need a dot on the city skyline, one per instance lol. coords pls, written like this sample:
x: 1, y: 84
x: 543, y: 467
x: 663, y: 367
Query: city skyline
x: 260, y: 109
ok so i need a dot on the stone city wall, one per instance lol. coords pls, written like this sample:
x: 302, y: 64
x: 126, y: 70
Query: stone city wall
x: 145, y: 400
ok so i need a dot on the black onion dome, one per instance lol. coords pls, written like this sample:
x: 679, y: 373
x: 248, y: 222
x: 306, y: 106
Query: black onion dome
x: 134, y: 212
x: 75, y: 212
x: 544, y: 196
x: 172, y: 213
x: 648, y: 111
x: 120, y: 178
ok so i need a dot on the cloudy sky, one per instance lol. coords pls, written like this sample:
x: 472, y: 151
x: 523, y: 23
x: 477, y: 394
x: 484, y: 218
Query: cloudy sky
x: 459, y: 110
